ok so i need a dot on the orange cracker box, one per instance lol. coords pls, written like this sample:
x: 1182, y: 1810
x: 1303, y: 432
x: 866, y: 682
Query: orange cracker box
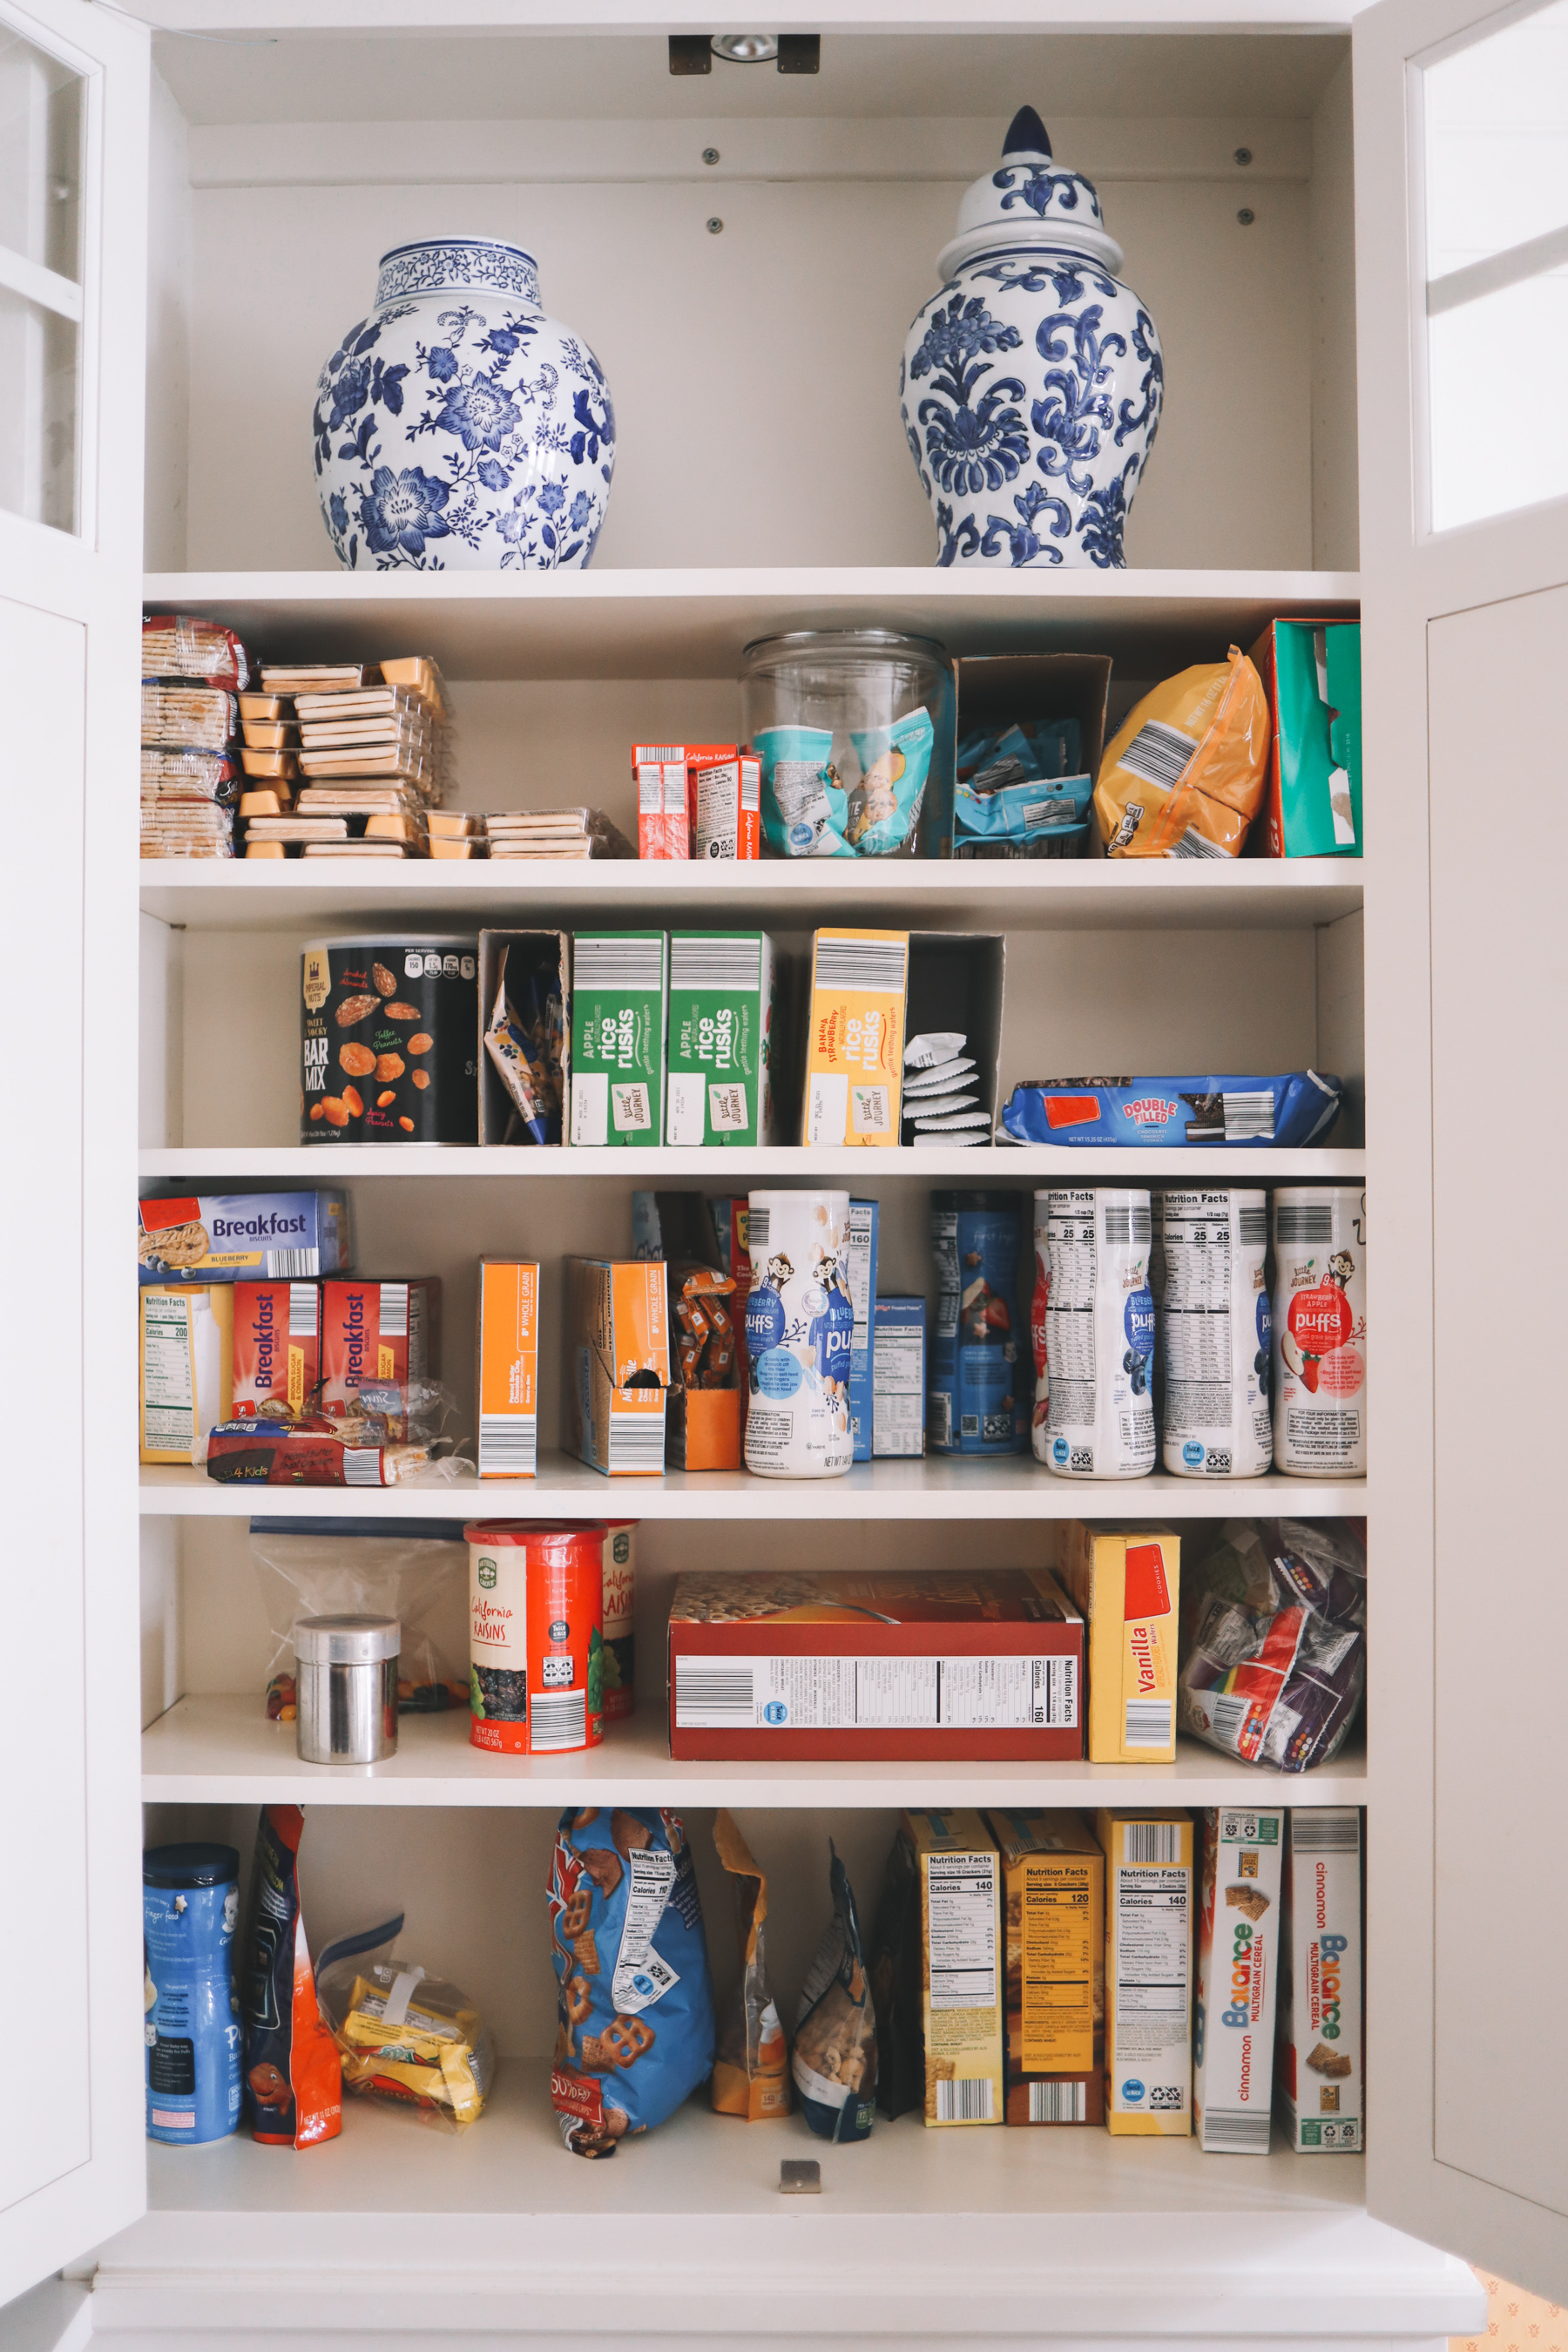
x: 1149, y: 1934
x: 616, y: 1371
x: 664, y: 776
x: 1053, y: 1910
x: 508, y: 1382
x: 855, y: 1039
x: 380, y: 1347
x: 1125, y: 1582
x: 277, y: 1349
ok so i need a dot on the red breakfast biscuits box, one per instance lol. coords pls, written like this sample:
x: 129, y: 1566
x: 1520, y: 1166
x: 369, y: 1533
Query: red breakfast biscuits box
x: 832, y: 1668
x: 378, y: 1340
x: 277, y: 1349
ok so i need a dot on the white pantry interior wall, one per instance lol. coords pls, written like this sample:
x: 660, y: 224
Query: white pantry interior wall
x: 1336, y: 519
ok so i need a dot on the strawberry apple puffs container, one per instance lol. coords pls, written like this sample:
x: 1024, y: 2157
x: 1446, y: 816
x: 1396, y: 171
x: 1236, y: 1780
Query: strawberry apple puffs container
x: 389, y: 1041
x: 1319, y: 1331
x: 536, y: 1638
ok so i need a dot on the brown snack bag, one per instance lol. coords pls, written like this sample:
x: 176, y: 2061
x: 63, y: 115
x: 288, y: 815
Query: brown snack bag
x: 751, y: 2072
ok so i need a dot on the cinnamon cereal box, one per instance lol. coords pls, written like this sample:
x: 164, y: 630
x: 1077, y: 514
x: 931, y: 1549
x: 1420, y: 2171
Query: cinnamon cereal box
x: 1237, y: 1972
x: 508, y: 1384
x: 1320, y: 2070
x: 1149, y: 1929
x: 854, y: 1044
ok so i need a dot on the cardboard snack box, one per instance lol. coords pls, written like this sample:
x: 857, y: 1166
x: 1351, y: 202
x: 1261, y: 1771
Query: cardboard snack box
x: 244, y: 1238
x: 723, y: 992
x: 615, y: 1378
x: 506, y: 1383
x: 1149, y: 1934
x: 834, y: 1666
x: 187, y: 1343
x: 855, y: 1038
x: 1321, y: 2086
x: 1126, y: 1583
x: 946, y: 1996
x: 1312, y: 795
x: 864, y: 1223
x: 380, y: 1346
x: 1238, y: 1973
x: 619, y: 1002
x: 1053, y: 1898
x: 277, y: 1349
x: 898, y: 1377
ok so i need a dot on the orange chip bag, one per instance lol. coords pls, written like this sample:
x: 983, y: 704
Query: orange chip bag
x: 1185, y: 775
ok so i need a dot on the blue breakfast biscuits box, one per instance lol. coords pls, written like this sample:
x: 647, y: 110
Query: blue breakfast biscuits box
x: 244, y: 1238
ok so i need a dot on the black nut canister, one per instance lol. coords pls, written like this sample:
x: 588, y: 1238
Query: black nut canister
x: 389, y: 1041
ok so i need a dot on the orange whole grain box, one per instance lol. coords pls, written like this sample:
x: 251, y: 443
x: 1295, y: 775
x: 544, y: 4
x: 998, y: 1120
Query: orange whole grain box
x: 617, y: 1372
x: 855, y: 1038
x: 508, y: 1380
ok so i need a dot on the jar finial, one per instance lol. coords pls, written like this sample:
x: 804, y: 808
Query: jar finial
x: 1027, y: 135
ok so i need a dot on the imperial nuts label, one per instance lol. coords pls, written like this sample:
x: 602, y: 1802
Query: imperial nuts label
x: 721, y: 1003
x: 619, y: 998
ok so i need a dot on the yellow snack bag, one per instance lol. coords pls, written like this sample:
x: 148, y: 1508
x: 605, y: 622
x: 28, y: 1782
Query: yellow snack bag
x: 1185, y: 775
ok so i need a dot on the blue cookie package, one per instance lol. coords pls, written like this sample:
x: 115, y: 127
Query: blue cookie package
x: 1297, y: 1108
x: 635, y: 2030
x: 1022, y: 785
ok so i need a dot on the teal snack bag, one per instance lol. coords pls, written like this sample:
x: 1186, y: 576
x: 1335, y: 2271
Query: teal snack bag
x: 804, y: 810
x: 835, y: 2058
x: 883, y: 807
x: 619, y: 995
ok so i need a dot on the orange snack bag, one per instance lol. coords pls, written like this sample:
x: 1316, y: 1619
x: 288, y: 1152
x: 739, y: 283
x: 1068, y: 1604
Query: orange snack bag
x: 1185, y: 772
x: 293, y: 2072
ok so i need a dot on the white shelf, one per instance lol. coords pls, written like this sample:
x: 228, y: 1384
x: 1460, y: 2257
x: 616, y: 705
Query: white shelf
x: 1004, y: 1487
x: 222, y: 1750
x: 696, y: 624
x: 1043, y: 1163
x: 1048, y: 895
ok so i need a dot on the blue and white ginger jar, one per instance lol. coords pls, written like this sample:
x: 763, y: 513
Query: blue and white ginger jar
x: 1031, y: 386
x: 458, y: 428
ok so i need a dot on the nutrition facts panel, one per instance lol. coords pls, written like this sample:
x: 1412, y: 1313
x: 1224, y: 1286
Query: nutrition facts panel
x: 879, y: 1694
x: 961, y: 1897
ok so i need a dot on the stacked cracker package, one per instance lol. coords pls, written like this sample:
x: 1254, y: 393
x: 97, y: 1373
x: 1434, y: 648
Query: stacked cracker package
x: 192, y: 674
x: 346, y: 760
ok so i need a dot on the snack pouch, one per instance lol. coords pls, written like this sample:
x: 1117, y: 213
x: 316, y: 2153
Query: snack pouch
x: 751, y: 2072
x: 882, y: 809
x: 1274, y: 1647
x: 634, y: 1999
x: 293, y: 2077
x: 897, y: 1963
x: 404, y: 2036
x: 835, y: 2061
x: 1184, y: 775
x: 803, y: 809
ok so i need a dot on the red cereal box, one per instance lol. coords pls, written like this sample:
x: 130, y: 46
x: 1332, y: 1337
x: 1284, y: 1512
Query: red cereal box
x: 379, y: 1341
x: 277, y: 1349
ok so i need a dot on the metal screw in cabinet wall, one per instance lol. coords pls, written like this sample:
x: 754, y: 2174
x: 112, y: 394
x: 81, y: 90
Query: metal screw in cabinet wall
x: 709, y: 154
x: 1246, y: 216
x: 715, y: 225
x: 1244, y: 155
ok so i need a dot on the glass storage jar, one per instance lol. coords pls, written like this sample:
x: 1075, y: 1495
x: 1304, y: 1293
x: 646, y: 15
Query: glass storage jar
x: 855, y: 728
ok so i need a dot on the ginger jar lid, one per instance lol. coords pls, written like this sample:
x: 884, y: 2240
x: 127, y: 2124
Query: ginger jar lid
x: 1031, y: 200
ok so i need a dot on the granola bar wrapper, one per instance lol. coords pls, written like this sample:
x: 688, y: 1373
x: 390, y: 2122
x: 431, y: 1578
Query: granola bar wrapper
x: 634, y: 2033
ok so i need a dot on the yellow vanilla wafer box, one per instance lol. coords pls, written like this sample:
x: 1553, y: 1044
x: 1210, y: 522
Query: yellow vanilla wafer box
x: 854, y: 1040
x: 1125, y: 1583
x: 507, y: 1387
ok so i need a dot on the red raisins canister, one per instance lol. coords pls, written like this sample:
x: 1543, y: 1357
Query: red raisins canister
x: 536, y: 1641
x: 389, y: 1041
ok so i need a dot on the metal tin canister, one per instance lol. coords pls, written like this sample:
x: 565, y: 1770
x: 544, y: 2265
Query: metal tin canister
x: 190, y: 1907
x: 536, y: 1638
x: 389, y: 1040
x: 346, y: 1672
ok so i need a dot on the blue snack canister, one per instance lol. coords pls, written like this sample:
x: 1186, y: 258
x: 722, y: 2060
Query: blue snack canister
x: 190, y: 1909
x: 980, y: 1385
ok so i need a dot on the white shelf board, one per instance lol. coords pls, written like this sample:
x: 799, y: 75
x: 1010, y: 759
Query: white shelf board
x: 696, y: 624
x: 222, y: 1750
x: 1007, y: 1487
x: 1048, y: 895
x: 962, y: 2236
x: 1043, y: 1163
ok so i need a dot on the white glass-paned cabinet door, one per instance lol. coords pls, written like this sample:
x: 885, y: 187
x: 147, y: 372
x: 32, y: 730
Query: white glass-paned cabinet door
x: 1461, y: 152
x: 73, y: 204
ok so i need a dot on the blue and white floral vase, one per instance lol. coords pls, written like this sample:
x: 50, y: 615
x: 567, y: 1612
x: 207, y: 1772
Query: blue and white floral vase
x: 458, y: 428
x: 1031, y: 386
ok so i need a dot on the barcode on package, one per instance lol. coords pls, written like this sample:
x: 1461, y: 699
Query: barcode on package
x: 1228, y: 1713
x: 1231, y: 2131
x: 1248, y: 1118
x: 966, y: 2101
x: 293, y: 1265
x: 1153, y: 1842
x: 1253, y: 1227
x: 1327, y: 1832
x: 757, y: 1229
x: 717, y: 962
x: 637, y: 1442
x: 1126, y: 1224
x: 558, y: 1719
x: 614, y: 963
x: 362, y: 1465
x: 1194, y: 844
x: 1158, y: 753
x: 875, y: 964
x: 304, y: 1310
x: 1058, y: 2103
x: 712, y: 1694
x: 1148, y: 1723
x: 394, y: 1310
x: 1304, y: 1221
x: 1043, y: 813
x: 509, y: 1444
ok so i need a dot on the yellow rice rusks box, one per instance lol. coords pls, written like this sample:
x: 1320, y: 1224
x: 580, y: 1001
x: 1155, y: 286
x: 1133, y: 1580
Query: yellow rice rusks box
x: 959, y: 1870
x: 855, y: 1037
x: 1149, y: 1927
x: 508, y: 1384
x: 1125, y: 1583
x: 187, y: 1368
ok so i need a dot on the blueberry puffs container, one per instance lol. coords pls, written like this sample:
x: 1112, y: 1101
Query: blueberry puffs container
x: 389, y: 1040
